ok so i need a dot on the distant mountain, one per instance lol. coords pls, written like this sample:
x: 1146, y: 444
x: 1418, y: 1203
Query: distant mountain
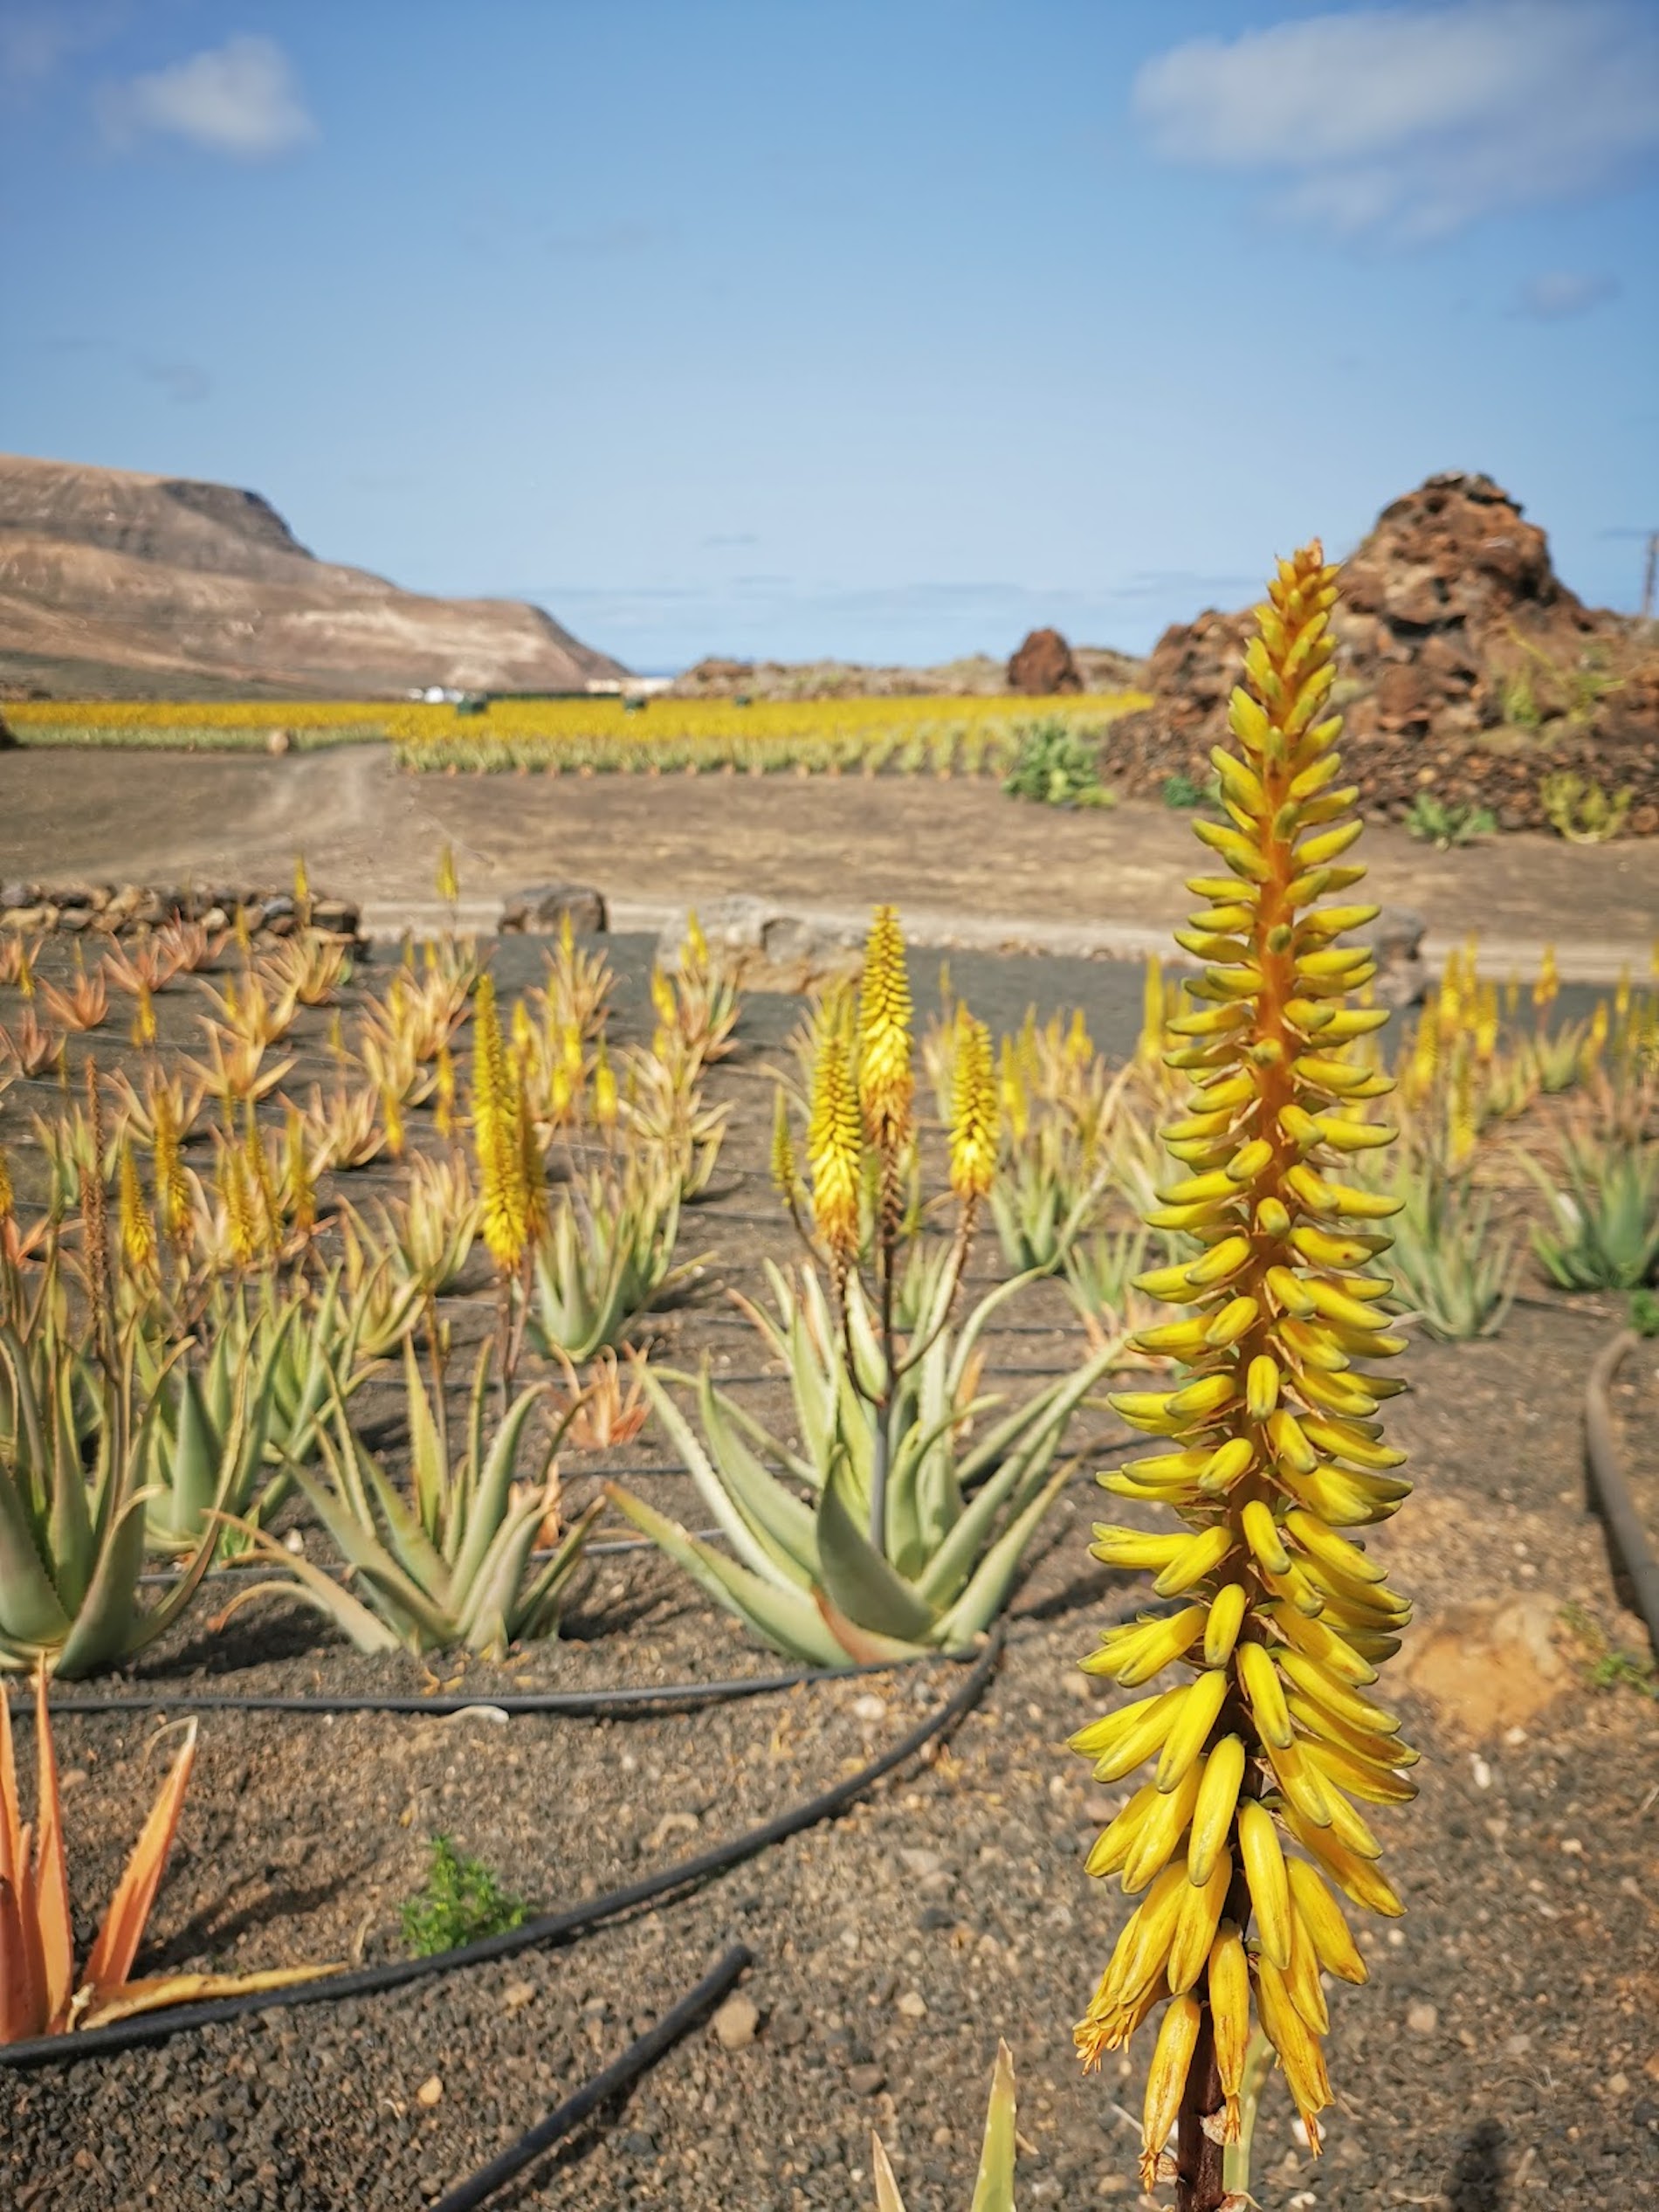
x: 125, y: 585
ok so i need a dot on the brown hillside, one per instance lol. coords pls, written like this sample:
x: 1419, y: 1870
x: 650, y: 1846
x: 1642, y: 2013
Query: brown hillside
x: 1465, y: 666
x: 117, y: 583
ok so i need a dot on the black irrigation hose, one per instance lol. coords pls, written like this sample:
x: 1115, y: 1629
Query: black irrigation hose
x: 551, y: 1927
x: 576, y: 1704
x: 564, y: 2118
x: 1610, y: 1493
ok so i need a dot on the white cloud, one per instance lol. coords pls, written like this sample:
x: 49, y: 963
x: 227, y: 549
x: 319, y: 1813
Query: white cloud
x: 241, y: 98
x: 1557, y: 293
x: 1412, y: 121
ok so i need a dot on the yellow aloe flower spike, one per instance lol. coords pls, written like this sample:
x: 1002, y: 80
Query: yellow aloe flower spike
x: 449, y: 887
x: 169, y: 1182
x: 1268, y: 1726
x: 495, y: 1135
x: 784, y: 1172
x: 835, y: 1145
x: 242, y: 1224
x: 974, y: 1129
x: 886, y: 1080
x: 605, y: 1104
x: 302, y: 1190
x: 137, y: 1228
x: 1549, y: 981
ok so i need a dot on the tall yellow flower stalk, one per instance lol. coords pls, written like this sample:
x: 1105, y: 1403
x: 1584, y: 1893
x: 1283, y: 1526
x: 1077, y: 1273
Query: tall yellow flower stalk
x: 1272, y: 1449
x: 137, y: 1228
x: 974, y: 1119
x: 497, y: 1137
x: 835, y: 1145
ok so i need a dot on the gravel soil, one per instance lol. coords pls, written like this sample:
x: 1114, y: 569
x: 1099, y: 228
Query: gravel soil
x: 1505, y: 2052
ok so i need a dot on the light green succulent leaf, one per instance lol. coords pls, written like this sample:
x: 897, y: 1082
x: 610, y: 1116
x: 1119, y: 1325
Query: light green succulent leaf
x: 724, y: 1496
x: 783, y: 1617
x: 982, y: 1599
x: 993, y: 2189
x: 489, y: 1506
x: 781, y: 1523
x: 857, y: 1580
x: 303, y: 1579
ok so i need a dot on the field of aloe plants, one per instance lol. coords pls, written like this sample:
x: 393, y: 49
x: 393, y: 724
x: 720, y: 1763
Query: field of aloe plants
x: 901, y: 735
x: 504, y: 1418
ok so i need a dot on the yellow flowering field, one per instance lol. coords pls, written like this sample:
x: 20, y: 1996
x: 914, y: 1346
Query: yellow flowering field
x: 601, y: 732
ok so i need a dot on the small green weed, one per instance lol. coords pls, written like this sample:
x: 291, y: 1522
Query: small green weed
x: 1180, y: 790
x: 1444, y: 827
x: 1605, y: 1667
x: 1644, y: 1312
x: 461, y: 1901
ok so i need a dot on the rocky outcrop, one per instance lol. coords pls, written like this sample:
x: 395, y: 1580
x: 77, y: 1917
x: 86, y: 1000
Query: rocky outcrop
x: 118, y: 584
x: 1464, y: 667
x: 1041, y: 665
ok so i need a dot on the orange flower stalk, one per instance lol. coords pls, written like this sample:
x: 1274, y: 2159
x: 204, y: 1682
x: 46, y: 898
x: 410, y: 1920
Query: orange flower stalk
x: 1272, y: 1448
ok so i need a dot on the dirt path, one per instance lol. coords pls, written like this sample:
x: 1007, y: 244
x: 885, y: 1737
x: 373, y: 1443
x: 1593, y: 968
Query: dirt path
x: 945, y: 847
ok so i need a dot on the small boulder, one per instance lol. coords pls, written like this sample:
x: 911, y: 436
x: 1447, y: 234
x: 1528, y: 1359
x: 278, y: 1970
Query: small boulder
x: 1044, y: 666
x: 1394, y: 941
x: 544, y: 906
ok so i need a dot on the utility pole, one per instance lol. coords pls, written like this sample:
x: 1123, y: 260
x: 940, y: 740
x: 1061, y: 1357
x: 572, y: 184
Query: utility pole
x: 1649, y: 574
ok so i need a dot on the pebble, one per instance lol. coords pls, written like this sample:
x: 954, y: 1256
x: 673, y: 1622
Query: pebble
x: 864, y: 2081
x: 1422, y: 2019
x: 430, y: 2091
x: 913, y: 2005
x: 516, y: 1994
x: 869, y: 1708
x: 736, y: 2022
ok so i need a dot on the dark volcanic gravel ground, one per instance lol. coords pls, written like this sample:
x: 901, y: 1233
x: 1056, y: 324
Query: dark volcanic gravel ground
x: 1505, y: 2053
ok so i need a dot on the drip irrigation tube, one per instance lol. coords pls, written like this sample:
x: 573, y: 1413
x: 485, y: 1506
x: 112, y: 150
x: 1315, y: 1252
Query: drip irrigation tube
x: 564, y: 2118
x: 576, y: 1704
x: 550, y: 1927
x: 1610, y: 1493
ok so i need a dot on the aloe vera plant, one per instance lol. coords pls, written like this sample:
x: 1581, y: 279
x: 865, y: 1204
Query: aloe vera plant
x: 291, y: 1361
x: 1604, y: 1228
x: 1454, y: 1272
x: 450, y: 1565
x: 806, y: 1572
x: 607, y: 1254
x: 72, y: 1541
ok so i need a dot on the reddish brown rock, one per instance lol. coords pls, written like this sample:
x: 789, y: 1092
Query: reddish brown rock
x: 1457, y: 648
x: 1044, y: 666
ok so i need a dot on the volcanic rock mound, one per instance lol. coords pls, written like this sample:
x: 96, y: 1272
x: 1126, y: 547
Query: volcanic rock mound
x: 1464, y: 667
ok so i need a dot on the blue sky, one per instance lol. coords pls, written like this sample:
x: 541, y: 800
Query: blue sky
x: 874, y: 327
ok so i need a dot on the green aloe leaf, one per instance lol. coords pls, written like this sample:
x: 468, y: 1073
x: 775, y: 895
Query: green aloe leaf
x: 785, y: 1618
x: 856, y: 1578
x: 993, y: 2190
x: 982, y: 1599
x: 725, y: 1497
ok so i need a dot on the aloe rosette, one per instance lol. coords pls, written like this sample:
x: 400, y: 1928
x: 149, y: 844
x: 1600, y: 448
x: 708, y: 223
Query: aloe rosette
x: 1248, y: 1828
